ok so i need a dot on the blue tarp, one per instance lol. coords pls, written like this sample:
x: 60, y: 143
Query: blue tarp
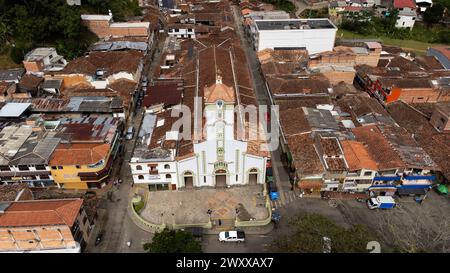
x: 420, y: 177
x: 386, y: 178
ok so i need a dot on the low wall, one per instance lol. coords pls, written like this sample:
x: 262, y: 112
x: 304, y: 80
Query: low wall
x: 207, y: 225
x: 141, y: 222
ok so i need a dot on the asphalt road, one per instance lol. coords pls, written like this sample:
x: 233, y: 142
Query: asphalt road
x: 281, y: 176
x: 252, y: 244
x: 114, y: 223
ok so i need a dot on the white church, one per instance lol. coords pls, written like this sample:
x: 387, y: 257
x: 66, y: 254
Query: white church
x: 219, y: 158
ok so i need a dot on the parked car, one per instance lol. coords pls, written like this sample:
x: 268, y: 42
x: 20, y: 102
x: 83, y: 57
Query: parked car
x: 144, y: 82
x: 130, y: 133
x: 381, y: 202
x: 232, y: 236
x: 273, y: 191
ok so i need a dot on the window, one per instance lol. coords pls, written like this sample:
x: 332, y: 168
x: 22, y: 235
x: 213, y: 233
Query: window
x: 60, y: 167
x: 367, y: 173
x: 167, y: 166
x: 40, y: 167
x: 78, y: 166
x: 140, y: 177
x: 5, y: 168
x: 139, y: 167
x: 204, y: 179
x: 23, y: 168
x: 168, y: 176
x: 53, y: 167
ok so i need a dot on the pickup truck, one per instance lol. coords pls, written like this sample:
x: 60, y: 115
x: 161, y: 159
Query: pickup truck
x: 381, y: 202
x: 232, y: 236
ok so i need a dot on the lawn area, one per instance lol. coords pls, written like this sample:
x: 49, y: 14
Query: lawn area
x: 6, y: 62
x: 416, y: 46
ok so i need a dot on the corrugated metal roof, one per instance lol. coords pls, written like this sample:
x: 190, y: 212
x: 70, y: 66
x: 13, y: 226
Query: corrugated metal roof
x: 14, y: 109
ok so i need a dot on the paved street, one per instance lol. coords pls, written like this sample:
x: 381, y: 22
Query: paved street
x: 253, y: 244
x: 281, y: 176
x: 115, y: 224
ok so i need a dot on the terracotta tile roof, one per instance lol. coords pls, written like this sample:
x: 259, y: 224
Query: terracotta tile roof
x: 433, y: 142
x: 310, y: 184
x: 122, y: 88
x: 112, y: 62
x: 11, y: 192
x: 330, y: 146
x: 41, y: 213
x: 335, y: 164
x: 52, y: 237
x: 305, y: 157
x: 167, y: 94
x: 218, y: 91
x: 379, y: 147
x: 357, y: 156
x: 293, y: 85
x: 429, y: 62
x: 404, y: 4
x: 30, y: 82
x: 80, y: 154
x: 293, y: 121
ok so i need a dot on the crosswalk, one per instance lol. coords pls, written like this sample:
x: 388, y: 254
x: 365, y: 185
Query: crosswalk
x: 289, y: 196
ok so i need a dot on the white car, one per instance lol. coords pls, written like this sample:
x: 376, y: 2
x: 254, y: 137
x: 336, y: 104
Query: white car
x: 232, y: 236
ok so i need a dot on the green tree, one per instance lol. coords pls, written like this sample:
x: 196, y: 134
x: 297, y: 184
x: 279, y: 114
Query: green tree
x: 434, y: 14
x: 443, y: 36
x: 309, y: 230
x: 173, y: 241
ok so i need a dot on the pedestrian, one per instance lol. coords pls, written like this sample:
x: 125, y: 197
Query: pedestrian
x: 220, y: 222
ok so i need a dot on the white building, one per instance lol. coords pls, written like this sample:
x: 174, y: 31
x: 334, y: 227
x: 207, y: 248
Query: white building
x: 406, y: 13
x: 43, y: 59
x: 182, y: 31
x: 216, y: 157
x: 316, y: 35
x: 406, y: 19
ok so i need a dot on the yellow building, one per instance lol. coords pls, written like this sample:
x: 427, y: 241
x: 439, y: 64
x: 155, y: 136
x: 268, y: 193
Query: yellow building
x: 84, y: 158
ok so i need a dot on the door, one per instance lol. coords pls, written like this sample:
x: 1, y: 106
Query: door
x: 188, y: 182
x: 221, y: 179
x: 253, y: 176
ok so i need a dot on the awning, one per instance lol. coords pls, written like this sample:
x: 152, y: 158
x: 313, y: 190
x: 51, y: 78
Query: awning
x: 408, y: 191
x: 383, y: 187
x: 419, y: 177
x: 415, y: 186
x: 387, y: 178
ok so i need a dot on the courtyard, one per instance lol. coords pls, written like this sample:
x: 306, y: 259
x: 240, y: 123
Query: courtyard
x: 191, y: 206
